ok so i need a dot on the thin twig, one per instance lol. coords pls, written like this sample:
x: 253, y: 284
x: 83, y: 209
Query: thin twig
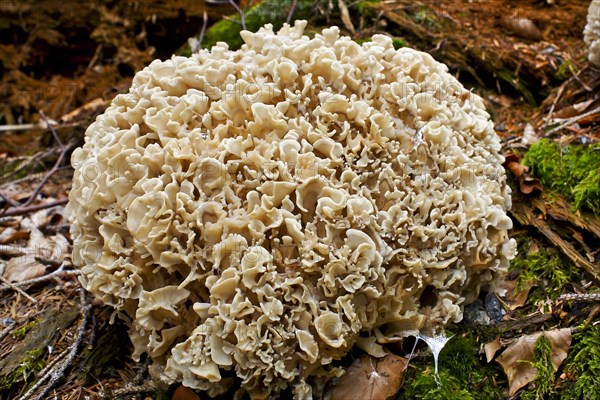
x: 585, y: 297
x: 576, y: 76
x: 54, y: 134
x: 22, y: 127
x: 239, y: 10
x: 12, y: 212
x: 203, y: 31
x: 292, y: 11
x: 25, y: 162
x: 52, y: 363
x: 53, y: 375
x: 12, y: 251
x: 571, y: 121
x: 17, y: 289
x: 9, y: 201
x: 61, y: 157
x: 7, y: 330
x: 45, y: 278
x: 48, y: 261
x: 556, y: 99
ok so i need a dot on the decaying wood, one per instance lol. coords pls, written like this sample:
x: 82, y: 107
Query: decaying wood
x: 129, y: 390
x: 560, y: 210
x: 518, y: 325
x: 464, y: 56
x: 53, y: 374
x: 525, y: 214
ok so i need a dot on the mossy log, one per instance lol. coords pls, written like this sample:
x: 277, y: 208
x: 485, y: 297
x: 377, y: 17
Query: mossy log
x: 550, y: 217
x: 27, y: 356
x: 485, y: 65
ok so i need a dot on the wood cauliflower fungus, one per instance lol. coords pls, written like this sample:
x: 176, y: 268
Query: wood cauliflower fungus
x: 254, y: 214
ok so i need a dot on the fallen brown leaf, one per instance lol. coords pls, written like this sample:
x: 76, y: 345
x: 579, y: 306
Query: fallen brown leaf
x: 515, y: 298
x: 491, y: 348
x: 369, y: 378
x: 527, y: 184
x: 23, y: 268
x: 11, y: 234
x: 23, y: 265
x: 573, y: 110
x: 516, y: 359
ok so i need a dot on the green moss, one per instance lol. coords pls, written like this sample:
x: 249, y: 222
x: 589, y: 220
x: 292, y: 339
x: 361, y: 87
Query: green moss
x: 270, y: 11
x: 571, y: 171
x: 367, y: 8
x: 361, y: 41
x: 462, y: 375
x: 425, y: 17
x: 32, y: 363
x: 19, y: 366
x: 22, y: 331
x: 423, y: 386
x: 459, y: 357
x: 545, y: 265
x: 185, y: 50
x: 564, y: 70
x: 398, y: 43
x: 583, y: 366
x: 543, y: 385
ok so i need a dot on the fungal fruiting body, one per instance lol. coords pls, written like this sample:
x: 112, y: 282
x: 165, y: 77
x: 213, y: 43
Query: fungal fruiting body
x: 591, y: 33
x: 254, y: 214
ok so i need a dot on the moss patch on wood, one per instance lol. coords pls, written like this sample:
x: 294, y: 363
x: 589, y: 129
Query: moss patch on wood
x: 266, y: 12
x: 583, y: 366
x: 570, y: 170
x: 548, y: 269
x: 463, y: 376
x: 28, y: 356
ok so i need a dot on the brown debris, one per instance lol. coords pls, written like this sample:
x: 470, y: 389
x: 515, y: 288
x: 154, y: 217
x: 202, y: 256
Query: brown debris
x: 527, y: 184
x: 369, y: 378
x: 517, y: 359
x: 520, y: 26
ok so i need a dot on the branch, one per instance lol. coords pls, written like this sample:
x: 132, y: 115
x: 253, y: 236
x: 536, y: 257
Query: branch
x: 292, y: 11
x: 129, y: 390
x: 61, y: 157
x: 242, y: 13
x: 17, y: 289
x: 56, y: 274
x: 7, y: 330
x: 571, y: 121
x: 203, y: 31
x: 13, y: 212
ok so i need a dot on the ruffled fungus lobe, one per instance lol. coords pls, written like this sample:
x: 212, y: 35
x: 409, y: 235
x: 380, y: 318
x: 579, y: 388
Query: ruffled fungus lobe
x: 255, y: 213
x: 591, y: 33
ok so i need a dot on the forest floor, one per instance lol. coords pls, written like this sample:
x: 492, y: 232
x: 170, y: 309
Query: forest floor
x: 62, y: 62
